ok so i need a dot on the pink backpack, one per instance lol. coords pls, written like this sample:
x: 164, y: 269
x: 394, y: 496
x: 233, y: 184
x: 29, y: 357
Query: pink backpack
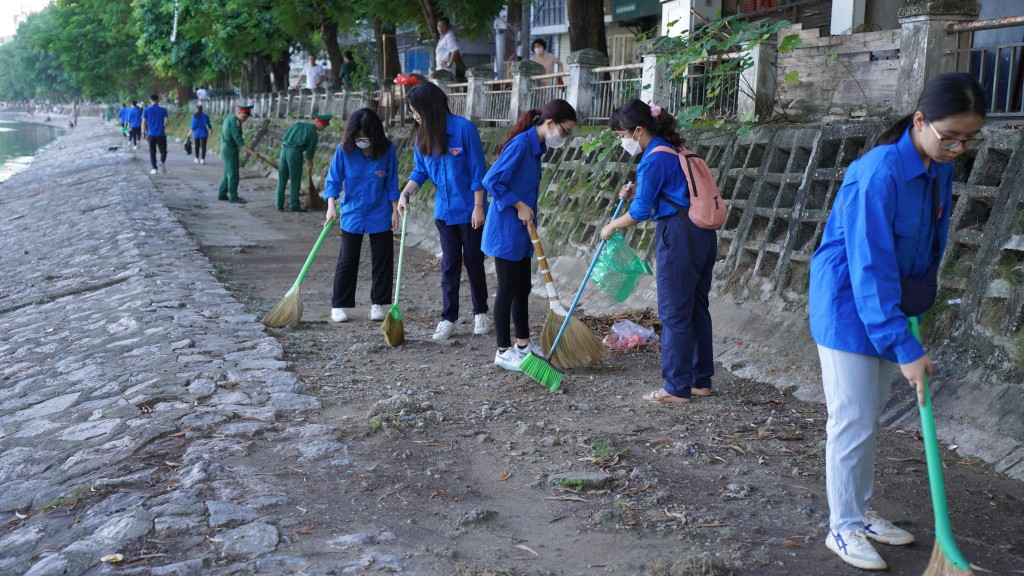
x: 707, y: 209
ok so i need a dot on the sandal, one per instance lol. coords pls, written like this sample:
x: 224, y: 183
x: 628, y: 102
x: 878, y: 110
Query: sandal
x: 662, y: 397
x: 701, y: 391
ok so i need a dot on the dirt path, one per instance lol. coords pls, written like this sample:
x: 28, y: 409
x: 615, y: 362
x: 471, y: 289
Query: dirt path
x: 462, y: 458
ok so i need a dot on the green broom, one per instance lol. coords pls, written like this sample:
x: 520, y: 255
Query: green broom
x: 393, y: 329
x: 581, y: 346
x: 946, y: 558
x: 541, y: 369
x: 288, y: 312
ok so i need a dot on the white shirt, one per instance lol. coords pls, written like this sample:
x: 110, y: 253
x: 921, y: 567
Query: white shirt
x: 445, y: 46
x: 313, y: 74
x: 201, y: 94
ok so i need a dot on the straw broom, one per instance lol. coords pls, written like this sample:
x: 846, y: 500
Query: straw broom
x: 946, y: 558
x: 393, y: 329
x: 580, y: 345
x: 288, y: 312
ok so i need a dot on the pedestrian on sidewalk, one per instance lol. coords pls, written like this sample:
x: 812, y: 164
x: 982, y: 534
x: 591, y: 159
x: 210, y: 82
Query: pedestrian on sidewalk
x: 366, y: 167
x: 448, y: 152
x: 199, y: 129
x: 686, y: 253
x: 154, y: 121
x: 877, y: 266
x: 313, y: 73
x: 122, y: 116
x: 514, y: 184
x: 231, y: 141
x: 301, y: 138
x: 134, y: 116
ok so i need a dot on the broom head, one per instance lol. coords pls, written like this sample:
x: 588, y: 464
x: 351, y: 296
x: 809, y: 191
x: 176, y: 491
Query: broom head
x: 579, y: 345
x: 939, y: 565
x: 542, y: 371
x: 287, y: 312
x: 393, y: 329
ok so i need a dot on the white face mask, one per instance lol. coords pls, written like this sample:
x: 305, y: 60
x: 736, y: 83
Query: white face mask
x: 554, y: 138
x: 632, y: 147
x: 363, y: 143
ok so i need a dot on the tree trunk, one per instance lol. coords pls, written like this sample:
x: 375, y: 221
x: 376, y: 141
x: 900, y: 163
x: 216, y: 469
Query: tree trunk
x: 586, y: 26
x: 431, y: 12
x: 390, y: 66
x: 182, y: 94
x: 329, y: 31
x: 281, y: 70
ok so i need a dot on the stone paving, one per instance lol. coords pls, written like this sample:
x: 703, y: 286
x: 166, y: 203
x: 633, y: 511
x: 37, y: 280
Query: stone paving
x: 127, y: 375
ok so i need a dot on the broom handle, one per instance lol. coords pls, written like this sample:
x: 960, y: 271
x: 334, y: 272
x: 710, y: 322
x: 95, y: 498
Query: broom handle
x: 401, y: 253
x: 943, y: 531
x: 542, y: 262
x: 579, y: 292
x: 312, y: 254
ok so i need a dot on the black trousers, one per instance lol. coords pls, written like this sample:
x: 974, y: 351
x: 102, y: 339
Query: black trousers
x: 460, y: 243
x: 512, y: 302
x: 382, y: 266
x: 200, y: 148
x: 133, y: 135
x: 154, y: 143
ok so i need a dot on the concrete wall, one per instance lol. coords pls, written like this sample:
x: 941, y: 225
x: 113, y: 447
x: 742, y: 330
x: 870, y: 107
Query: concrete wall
x: 780, y: 183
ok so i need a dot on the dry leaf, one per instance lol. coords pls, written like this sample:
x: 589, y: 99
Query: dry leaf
x: 301, y: 509
x: 182, y: 433
x: 681, y: 516
x: 527, y: 548
x: 112, y: 558
x: 20, y: 516
x: 505, y: 476
x: 791, y: 544
x: 305, y: 530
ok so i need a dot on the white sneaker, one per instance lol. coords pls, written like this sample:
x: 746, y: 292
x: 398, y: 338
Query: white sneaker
x: 135, y: 147
x: 881, y: 530
x: 153, y: 171
x: 852, y: 547
x: 481, y: 325
x: 338, y: 315
x: 509, y: 359
x: 195, y: 160
x: 445, y: 329
x: 376, y: 312
x: 163, y: 168
x: 531, y: 348
x: 203, y: 161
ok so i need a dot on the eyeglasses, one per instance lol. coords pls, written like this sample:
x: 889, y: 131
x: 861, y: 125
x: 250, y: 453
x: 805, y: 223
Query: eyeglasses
x: 953, y: 143
x: 565, y: 133
x: 362, y: 140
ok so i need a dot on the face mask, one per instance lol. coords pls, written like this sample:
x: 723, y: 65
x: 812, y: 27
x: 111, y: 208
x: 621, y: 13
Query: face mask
x: 363, y: 143
x: 554, y: 138
x: 632, y: 147
x: 538, y: 51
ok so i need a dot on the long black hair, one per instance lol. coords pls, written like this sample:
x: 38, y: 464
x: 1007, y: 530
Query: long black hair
x: 945, y: 95
x: 637, y: 113
x: 557, y: 110
x: 430, y: 133
x: 366, y: 121
x: 199, y: 112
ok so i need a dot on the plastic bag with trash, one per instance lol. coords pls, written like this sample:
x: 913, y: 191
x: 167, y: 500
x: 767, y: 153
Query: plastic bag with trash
x: 627, y: 334
x: 619, y: 268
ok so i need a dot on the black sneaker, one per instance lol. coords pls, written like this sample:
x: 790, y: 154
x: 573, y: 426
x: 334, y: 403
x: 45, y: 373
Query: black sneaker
x: 237, y: 200
x: 224, y: 198
x: 299, y: 209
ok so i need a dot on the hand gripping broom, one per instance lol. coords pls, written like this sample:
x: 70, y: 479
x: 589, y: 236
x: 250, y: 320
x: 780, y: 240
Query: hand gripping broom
x: 541, y: 369
x: 288, y: 312
x: 581, y: 346
x: 946, y: 558
x: 393, y: 329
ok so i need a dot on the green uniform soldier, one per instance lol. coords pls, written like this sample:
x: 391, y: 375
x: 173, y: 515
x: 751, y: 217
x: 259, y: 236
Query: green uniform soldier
x: 301, y: 138
x: 230, y: 142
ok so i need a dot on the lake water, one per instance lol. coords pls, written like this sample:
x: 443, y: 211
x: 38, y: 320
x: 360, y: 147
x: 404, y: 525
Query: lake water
x: 20, y: 141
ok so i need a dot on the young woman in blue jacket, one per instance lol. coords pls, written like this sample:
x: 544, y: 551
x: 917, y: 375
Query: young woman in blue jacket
x: 876, y: 267
x: 514, y: 184
x: 200, y: 129
x: 686, y: 253
x: 366, y: 166
x: 448, y: 152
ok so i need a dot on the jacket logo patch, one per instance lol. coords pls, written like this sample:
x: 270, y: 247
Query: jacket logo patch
x: 942, y: 207
x: 455, y: 151
x: 379, y: 173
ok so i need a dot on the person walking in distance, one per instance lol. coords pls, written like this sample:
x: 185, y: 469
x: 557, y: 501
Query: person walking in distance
x: 877, y: 266
x: 154, y: 121
x: 365, y: 166
x: 134, y: 116
x: 232, y: 141
x: 200, y: 129
x: 301, y: 139
x: 514, y: 184
x: 448, y: 152
x: 312, y: 72
x: 447, y: 53
x: 685, y: 252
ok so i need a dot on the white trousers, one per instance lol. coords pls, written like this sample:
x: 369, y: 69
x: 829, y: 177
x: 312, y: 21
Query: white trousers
x: 856, y: 390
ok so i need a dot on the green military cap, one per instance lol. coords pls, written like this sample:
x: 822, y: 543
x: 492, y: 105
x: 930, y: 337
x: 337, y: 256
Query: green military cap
x: 325, y: 118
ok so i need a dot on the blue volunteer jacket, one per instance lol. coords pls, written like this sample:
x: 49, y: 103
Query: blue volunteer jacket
x: 371, y: 185
x: 134, y: 117
x: 514, y: 177
x: 456, y: 173
x: 881, y: 228
x: 122, y: 115
x: 658, y: 173
x: 154, y: 115
x: 201, y: 126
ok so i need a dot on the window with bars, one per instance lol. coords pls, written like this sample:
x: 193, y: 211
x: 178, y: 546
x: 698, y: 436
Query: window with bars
x: 549, y: 13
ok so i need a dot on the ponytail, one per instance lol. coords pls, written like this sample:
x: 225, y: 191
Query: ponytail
x: 525, y: 122
x: 946, y: 95
x: 557, y: 110
x: 895, y: 132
